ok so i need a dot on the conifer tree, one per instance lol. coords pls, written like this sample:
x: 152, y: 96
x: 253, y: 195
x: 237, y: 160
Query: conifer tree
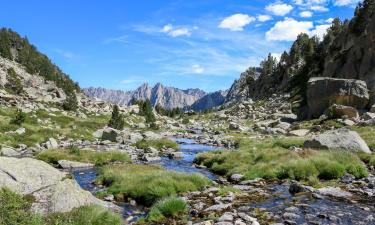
x: 117, y: 120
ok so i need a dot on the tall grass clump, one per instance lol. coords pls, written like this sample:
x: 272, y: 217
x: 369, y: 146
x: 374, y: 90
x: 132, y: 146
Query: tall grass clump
x: 170, y: 208
x: 87, y: 156
x: 271, y: 158
x: 148, y: 184
x: 157, y: 143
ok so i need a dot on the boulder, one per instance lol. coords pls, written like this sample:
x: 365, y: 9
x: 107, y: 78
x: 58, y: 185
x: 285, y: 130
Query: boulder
x: 372, y: 109
x: 237, y: 178
x: 322, y: 92
x: 52, y: 144
x: 334, y: 192
x: 9, y: 152
x: 299, y: 133
x: 109, y: 134
x: 52, y: 189
x: 71, y: 165
x: 338, y: 139
x: 368, y: 116
x: 341, y: 111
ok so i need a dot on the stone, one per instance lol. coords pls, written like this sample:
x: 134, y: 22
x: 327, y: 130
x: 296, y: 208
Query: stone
x: 109, y: 134
x: 296, y: 187
x: 333, y: 192
x: 52, y: 144
x: 176, y: 155
x: 338, y: 139
x: 368, y: 116
x: 372, y: 109
x: 20, y: 131
x: 299, y: 133
x: 348, y: 122
x: 207, y: 222
x: 52, y: 189
x: 246, y: 217
x: 150, y: 135
x: 322, y: 92
x: 340, y: 111
x: 71, y: 165
x: 9, y: 152
x: 218, y: 207
x: 283, y: 125
x: 237, y: 177
x: 226, y: 217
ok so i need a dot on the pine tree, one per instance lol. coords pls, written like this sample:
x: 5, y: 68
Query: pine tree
x: 117, y: 120
x: 71, y: 102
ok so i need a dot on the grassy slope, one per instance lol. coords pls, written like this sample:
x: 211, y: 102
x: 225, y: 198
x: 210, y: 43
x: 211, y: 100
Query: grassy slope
x: 158, y: 144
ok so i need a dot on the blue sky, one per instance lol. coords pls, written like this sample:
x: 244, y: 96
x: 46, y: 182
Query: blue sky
x: 120, y: 44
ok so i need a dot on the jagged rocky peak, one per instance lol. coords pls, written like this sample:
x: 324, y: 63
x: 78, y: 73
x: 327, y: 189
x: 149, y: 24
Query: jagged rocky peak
x: 209, y: 101
x: 167, y: 97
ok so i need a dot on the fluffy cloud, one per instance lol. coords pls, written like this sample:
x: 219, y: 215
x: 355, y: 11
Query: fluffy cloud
x: 319, y: 8
x: 198, y: 69
x: 320, y: 30
x: 306, y: 14
x: 264, y: 18
x: 279, y: 8
x: 236, y: 22
x: 175, y: 32
x: 288, y: 30
x: 345, y: 2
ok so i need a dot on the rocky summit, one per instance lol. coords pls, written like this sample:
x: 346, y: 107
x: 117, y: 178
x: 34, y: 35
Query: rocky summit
x: 291, y: 141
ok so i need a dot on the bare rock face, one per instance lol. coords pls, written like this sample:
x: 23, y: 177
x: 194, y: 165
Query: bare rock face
x: 53, y: 191
x: 322, y: 92
x: 338, y: 139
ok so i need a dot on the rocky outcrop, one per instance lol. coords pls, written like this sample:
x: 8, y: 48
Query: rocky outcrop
x: 322, y: 92
x: 338, y: 139
x: 53, y: 190
x: 167, y: 97
x: 210, y: 101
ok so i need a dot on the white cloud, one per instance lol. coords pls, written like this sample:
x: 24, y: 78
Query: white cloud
x: 180, y: 32
x: 319, y: 8
x: 264, y: 18
x: 306, y: 14
x: 236, y: 22
x: 320, y: 30
x: 198, y: 69
x: 329, y: 20
x: 345, y: 2
x: 276, y: 55
x: 175, y: 32
x: 279, y: 8
x: 288, y: 30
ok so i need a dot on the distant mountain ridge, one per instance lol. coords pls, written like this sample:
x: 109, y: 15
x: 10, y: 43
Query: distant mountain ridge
x: 167, y: 97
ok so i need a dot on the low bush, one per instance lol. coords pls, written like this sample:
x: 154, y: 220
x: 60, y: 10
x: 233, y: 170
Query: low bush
x: 87, y: 156
x: 148, y: 184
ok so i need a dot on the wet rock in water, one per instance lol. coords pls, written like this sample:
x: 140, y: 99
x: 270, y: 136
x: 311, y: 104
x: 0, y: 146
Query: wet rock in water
x: 338, y: 139
x: 296, y: 187
x: 69, y: 165
x: 322, y: 92
x: 237, y: 178
x: 176, y: 155
x: 334, y: 192
x: 52, y: 190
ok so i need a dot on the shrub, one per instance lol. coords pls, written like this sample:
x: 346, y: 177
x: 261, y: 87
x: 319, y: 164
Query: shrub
x: 14, y: 84
x: 148, y: 184
x: 71, y: 102
x: 117, y: 119
x: 19, y: 118
x: 167, y: 208
x: 185, y: 120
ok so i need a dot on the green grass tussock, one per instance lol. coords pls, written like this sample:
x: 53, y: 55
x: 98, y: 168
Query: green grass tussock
x: 15, y: 210
x: 148, y: 184
x: 170, y: 208
x: 271, y: 158
x: 87, y: 156
x: 158, y: 144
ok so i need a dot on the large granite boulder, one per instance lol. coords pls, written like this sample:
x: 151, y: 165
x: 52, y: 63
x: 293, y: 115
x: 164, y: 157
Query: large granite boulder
x: 322, y: 92
x: 338, y: 139
x: 341, y: 111
x: 52, y: 189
